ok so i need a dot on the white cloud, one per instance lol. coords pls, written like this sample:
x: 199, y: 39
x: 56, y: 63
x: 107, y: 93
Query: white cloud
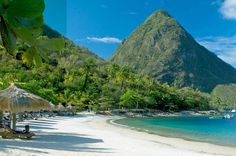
x: 229, y: 58
x: 104, y: 39
x: 224, y: 47
x: 228, y: 9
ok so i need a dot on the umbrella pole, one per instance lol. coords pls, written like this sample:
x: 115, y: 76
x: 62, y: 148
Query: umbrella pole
x: 13, y: 121
x: 1, y: 116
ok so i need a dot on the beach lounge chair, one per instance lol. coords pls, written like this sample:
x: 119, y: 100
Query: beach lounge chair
x: 12, y: 134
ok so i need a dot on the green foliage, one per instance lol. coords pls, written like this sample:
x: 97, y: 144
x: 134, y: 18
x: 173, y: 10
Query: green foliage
x: 22, y: 20
x: 24, y: 8
x: 8, y: 37
x: 77, y: 77
x: 31, y: 56
x: 16, y: 16
x: 194, y: 99
x: 224, y: 96
x: 131, y: 99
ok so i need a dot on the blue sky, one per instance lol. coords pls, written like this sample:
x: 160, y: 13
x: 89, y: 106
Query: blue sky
x: 101, y: 25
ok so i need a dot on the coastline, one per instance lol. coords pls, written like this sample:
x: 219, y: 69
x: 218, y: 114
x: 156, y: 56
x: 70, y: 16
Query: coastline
x: 136, y: 113
x: 112, y: 121
x: 178, y: 142
x: 92, y: 135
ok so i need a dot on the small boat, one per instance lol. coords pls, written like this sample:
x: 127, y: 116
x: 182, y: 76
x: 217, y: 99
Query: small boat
x: 228, y: 116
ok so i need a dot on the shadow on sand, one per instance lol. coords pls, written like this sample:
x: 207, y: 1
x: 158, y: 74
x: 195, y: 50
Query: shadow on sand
x: 53, y: 141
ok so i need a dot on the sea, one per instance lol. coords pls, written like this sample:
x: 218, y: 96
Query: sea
x: 195, y: 128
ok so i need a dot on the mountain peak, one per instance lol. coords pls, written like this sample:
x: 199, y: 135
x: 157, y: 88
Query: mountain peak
x: 161, y: 12
x: 160, y: 15
x: 162, y: 21
x: 162, y: 48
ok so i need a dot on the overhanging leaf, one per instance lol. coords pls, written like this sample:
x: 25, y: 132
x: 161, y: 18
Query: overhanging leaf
x: 25, y: 35
x: 31, y: 56
x: 54, y: 44
x: 34, y: 23
x: 19, y: 22
x: 26, y: 8
x: 4, y: 2
x: 43, y: 54
x: 8, y: 38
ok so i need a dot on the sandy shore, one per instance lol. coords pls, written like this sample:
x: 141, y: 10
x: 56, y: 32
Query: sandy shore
x: 92, y: 135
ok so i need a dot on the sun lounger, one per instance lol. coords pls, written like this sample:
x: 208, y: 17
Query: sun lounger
x: 12, y: 134
x: 1, y: 125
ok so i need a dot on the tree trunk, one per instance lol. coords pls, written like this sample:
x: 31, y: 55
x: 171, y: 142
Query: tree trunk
x: 122, y: 85
x: 85, y: 82
x: 136, y: 106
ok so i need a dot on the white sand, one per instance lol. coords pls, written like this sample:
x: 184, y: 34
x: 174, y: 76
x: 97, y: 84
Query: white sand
x: 90, y: 135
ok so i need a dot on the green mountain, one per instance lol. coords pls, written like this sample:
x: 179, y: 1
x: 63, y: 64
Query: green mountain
x: 78, y: 77
x: 162, y: 48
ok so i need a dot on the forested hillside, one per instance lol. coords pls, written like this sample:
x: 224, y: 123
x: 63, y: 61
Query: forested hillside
x: 225, y: 96
x: 76, y: 76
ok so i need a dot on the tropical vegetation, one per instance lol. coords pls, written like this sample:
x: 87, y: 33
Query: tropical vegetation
x: 47, y: 64
x: 223, y: 96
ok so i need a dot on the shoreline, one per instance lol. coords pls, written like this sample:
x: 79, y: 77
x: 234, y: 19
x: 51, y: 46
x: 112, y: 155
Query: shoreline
x: 142, y: 113
x: 88, y: 134
x: 112, y: 122
x: 212, y: 145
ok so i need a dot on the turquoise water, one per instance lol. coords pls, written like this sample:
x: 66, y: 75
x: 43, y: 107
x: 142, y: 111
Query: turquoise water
x: 198, y: 128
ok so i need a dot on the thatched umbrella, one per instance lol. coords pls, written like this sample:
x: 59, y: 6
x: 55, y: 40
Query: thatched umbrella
x: 15, y: 100
x: 60, y: 107
x: 70, y: 108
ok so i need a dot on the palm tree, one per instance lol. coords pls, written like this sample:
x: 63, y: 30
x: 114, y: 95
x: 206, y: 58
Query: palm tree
x: 122, y: 76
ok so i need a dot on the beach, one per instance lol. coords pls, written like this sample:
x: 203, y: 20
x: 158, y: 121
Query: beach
x: 88, y: 134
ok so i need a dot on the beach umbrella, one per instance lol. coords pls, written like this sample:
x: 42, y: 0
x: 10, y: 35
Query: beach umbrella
x: 69, y: 107
x: 60, y: 107
x: 15, y: 100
